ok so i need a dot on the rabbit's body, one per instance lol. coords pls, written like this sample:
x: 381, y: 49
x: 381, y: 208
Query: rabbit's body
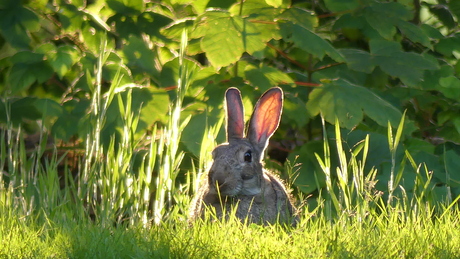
x: 271, y: 205
x: 237, y: 180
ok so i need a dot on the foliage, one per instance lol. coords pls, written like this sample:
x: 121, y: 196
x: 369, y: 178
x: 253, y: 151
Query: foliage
x: 362, y: 62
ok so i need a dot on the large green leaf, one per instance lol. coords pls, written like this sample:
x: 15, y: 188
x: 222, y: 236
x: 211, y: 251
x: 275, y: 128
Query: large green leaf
x: 448, y: 45
x: 358, y: 60
x: 151, y: 104
x: 71, y: 18
x: 310, y: 42
x: 266, y: 77
x: 341, y: 5
x: 442, y: 12
x: 169, y: 75
x: 450, y: 87
x: 414, y: 33
x: 310, y: 176
x: 299, y: 16
x: 383, y: 17
x: 62, y: 59
x: 28, y: 67
x: 407, y: 66
x: 151, y: 23
x: 139, y: 57
x: 19, y: 109
x: 15, y: 24
x: 125, y: 25
x: 127, y: 7
x: 454, y: 7
x: 348, y: 102
x: 73, y: 120
x: 50, y: 110
x: 452, y: 163
x: 225, y: 38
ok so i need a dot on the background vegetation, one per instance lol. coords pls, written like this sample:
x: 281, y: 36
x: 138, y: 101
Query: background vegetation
x: 109, y: 110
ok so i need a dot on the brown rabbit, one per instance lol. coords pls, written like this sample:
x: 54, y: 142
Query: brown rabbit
x: 237, y: 180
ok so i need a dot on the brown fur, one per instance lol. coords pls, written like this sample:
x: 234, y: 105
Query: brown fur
x: 236, y: 182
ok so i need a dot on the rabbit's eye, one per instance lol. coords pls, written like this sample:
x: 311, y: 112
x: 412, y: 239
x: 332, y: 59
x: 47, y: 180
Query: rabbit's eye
x: 248, y: 156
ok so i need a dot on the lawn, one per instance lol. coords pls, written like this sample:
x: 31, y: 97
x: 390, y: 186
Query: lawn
x: 40, y: 218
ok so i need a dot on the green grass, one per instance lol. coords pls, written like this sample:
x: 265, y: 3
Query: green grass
x: 38, y: 219
x: 113, y: 208
x: 374, y: 237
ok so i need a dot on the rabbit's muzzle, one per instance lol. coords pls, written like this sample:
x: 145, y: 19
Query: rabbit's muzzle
x: 224, y: 183
x: 233, y: 180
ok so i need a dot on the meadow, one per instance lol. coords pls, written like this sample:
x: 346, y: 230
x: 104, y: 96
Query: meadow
x: 107, y: 212
x: 109, y: 111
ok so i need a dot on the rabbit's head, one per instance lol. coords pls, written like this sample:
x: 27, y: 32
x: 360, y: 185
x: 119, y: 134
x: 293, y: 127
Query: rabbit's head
x: 237, y: 168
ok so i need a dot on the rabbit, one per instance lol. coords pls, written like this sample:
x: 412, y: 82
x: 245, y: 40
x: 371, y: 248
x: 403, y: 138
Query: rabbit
x: 237, y: 180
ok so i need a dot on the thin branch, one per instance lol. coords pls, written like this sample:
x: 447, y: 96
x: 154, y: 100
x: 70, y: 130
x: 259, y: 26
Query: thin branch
x: 287, y: 57
x: 327, y: 66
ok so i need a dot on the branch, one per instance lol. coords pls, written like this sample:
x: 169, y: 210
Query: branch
x: 287, y: 57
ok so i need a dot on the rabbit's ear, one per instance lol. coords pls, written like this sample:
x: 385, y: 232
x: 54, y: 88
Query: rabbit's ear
x: 235, y: 114
x: 266, y: 117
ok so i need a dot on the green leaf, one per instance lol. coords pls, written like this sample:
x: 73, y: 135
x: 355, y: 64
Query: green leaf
x: 110, y: 69
x: 253, y: 8
x: 15, y: 25
x: 452, y: 164
x: 454, y: 7
x: 151, y: 103
x: 170, y: 73
x: 139, y: 57
x: 407, y: 66
x: 27, y: 57
x: 309, y: 41
x: 349, y: 103
x: 151, y: 23
x: 73, y: 114
x: 62, y: 59
x: 50, y: 110
x: 28, y: 67
x: 358, y: 60
x: 266, y: 77
x: 65, y: 127
x: 383, y: 17
x: 19, y: 78
x: 299, y: 16
x: 48, y: 107
x: 127, y: 7
x: 125, y: 25
x: 219, y: 4
x: 450, y: 87
x: 292, y: 107
x: 448, y: 45
x: 193, y: 132
x: 341, y: 5
x: 310, y: 173
x: 414, y: 33
x: 20, y: 109
x: 443, y: 13
x: 274, y: 3
x: 174, y: 30
x: 70, y: 17
x: 226, y: 38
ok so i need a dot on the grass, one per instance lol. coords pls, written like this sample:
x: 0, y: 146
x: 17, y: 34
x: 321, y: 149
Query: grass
x: 113, y: 209
x: 38, y: 219
x: 316, y: 238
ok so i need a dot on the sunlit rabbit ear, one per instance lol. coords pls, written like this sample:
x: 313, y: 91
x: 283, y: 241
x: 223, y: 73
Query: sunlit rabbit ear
x: 265, y: 118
